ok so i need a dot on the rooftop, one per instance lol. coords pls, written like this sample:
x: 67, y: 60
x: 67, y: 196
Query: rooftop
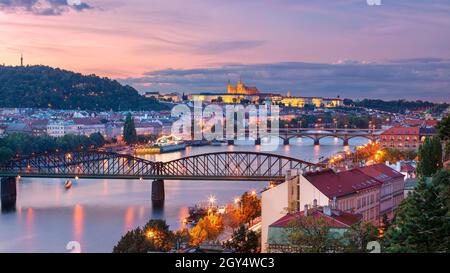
x: 334, y: 184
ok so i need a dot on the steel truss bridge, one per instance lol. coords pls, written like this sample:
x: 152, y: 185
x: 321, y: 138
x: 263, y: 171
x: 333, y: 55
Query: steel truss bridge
x: 211, y: 166
x: 238, y: 166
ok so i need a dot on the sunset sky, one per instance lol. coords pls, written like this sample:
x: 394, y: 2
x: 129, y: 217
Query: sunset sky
x: 400, y: 49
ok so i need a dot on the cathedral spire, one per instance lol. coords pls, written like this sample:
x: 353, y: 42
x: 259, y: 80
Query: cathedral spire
x: 21, y: 59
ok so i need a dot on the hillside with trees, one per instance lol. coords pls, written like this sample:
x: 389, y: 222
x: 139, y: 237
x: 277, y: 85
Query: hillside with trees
x: 398, y: 106
x: 47, y: 87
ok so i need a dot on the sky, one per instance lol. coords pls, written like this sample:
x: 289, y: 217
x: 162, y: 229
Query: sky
x: 397, y: 50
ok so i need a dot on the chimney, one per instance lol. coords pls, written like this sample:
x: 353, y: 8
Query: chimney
x: 306, y: 210
x: 315, y: 203
x: 327, y: 210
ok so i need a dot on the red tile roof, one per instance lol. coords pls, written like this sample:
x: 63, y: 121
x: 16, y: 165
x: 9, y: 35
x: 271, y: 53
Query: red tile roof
x: 402, y: 131
x: 337, y: 219
x: 381, y: 172
x: 343, y: 183
x: 421, y: 122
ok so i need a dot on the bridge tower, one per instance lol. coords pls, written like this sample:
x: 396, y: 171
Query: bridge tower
x: 158, y: 195
x: 8, y: 194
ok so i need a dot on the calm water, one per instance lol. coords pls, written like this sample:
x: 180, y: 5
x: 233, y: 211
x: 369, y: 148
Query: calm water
x: 97, y: 213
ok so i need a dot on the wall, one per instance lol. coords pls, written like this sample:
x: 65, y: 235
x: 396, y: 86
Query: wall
x: 274, y: 205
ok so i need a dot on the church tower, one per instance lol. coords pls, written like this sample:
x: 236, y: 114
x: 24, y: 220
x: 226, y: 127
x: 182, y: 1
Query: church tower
x: 21, y: 59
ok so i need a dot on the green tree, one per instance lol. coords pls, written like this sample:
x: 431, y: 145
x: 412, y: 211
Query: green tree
x: 129, y: 130
x: 244, y: 241
x: 358, y: 236
x: 312, y: 234
x: 6, y: 153
x: 443, y: 128
x: 422, y: 222
x: 155, y: 236
x: 97, y: 139
x: 430, y: 157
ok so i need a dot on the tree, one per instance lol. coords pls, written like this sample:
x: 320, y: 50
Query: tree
x: 244, y: 241
x: 430, y: 157
x: 250, y: 206
x: 97, y: 139
x: 422, y: 220
x: 443, y: 128
x: 129, y: 130
x: 181, y: 237
x: 45, y: 87
x: 6, y: 153
x: 233, y: 217
x: 358, y: 236
x: 311, y: 234
x: 155, y: 236
x: 207, y: 229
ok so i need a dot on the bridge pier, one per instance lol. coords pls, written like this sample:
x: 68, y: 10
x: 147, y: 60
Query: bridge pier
x: 231, y: 142
x: 258, y: 141
x: 345, y: 142
x: 158, y: 195
x: 286, y: 141
x: 316, y: 141
x: 8, y: 194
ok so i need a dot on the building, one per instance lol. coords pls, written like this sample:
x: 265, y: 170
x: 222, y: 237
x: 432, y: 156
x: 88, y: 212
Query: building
x: 20, y: 128
x: 392, y: 188
x: 351, y: 191
x: 405, y: 138
x: 402, y: 138
x: 250, y: 94
x: 242, y: 89
x: 60, y: 128
x: 39, y: 127
x: 275, y: 202
x: 170, y: 97
x: 149, y: 128
x: 337, y: 221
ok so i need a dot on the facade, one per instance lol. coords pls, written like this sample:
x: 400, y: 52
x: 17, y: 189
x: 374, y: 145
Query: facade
x: 318, y: 102
x: 149, y: 128
x: 338, y: 222
x: 392, y: 188
x: 22, y: 128
x: 242, y: 89
x: 402, y: 138
x: 250, y: 94
x: 275, y: 203
x: 76, y: 127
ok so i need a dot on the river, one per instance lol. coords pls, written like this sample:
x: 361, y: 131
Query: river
x: 96, y: 213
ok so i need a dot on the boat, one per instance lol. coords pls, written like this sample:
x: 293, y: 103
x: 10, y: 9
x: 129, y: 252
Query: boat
x: 68, y: 184
x: 164, y: 144
x: 219, y: 142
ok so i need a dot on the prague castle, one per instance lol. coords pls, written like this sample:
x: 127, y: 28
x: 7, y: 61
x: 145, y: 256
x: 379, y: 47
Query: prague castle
x: 250, y: 94
x: 242, y: 89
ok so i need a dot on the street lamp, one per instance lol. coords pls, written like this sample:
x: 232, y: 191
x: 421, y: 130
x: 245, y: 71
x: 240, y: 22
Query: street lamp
x: 212, y: 200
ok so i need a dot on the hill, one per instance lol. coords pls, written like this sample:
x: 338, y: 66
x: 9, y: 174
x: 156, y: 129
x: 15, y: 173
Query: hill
x: 46, y: 87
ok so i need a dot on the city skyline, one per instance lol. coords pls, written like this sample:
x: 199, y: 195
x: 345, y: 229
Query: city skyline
x: 393, y: 51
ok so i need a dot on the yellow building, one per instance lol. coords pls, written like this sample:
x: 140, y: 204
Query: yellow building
x: 241, y: 88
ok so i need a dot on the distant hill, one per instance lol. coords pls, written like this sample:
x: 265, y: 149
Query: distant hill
x: 46, y: 87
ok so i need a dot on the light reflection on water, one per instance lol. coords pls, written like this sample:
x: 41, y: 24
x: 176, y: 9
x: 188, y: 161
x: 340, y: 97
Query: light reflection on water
x: 98, y: 212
